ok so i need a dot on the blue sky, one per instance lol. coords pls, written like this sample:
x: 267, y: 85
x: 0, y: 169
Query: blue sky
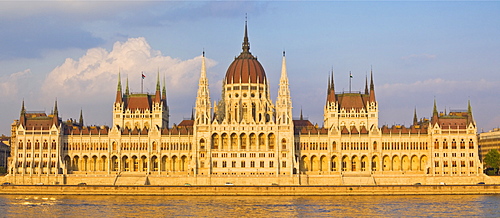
x: 419, y: 51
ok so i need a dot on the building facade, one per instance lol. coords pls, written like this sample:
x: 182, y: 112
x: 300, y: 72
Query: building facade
x: 489, y: 141
x: 244, y: 134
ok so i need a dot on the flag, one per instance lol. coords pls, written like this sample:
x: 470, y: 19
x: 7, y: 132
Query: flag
x: 350, y: 74
x: 143, y: 76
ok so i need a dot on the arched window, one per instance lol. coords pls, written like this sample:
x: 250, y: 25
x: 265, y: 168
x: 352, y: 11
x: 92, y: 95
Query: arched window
x: 283, y: 144
x: 271, y: 139
x: 54, y: 145
x: 21, y: 144
x: 215, y: 141
x: 45, y: 144
x: 243, y: 141
x: 28, y: 145
x: 37, y: 144
x: 155, y: 145
x: 202, y: 143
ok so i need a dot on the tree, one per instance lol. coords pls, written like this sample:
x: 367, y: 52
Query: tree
x: 492, y: 160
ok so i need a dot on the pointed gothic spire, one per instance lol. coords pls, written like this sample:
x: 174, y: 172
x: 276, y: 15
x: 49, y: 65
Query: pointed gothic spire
x: 202, y: 107
x: 415, y: 119
x: 284, y: 76
x: 127, y: 91
x: 435, y: 114
x: 469, y: 111
x: 158, y: 93
x: 55, y: 119
x: 55, y: 108
x: 301, y: 117
x: 246, y: 54
x: 246, y: 44
x: 331, y: 90
x: 372, y: 87
x: 119, y: 94
x: 23, y: 110
x: 22, y: 118
x: 164, y: 91
x: 284, y: 100
x: 81, y: 118
x: 158, y: 80
x: 434, y: 110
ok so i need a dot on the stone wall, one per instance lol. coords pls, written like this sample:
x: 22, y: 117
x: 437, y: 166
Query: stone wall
x: 306, y: 180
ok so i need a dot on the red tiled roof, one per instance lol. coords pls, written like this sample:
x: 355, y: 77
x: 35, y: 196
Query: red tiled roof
x: 352, y: 100
x: 139, y: 101
x: 186, y: 123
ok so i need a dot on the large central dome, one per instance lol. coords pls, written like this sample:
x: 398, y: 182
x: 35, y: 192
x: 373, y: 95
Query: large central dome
x: 245, y: 68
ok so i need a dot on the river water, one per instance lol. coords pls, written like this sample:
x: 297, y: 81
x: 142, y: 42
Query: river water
x: 250, y: 206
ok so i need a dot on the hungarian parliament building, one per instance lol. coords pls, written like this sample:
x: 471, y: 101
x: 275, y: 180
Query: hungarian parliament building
x: 245, y: 134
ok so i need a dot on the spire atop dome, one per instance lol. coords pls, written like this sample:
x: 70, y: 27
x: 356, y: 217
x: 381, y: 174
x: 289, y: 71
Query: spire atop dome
x: 246, y: 44
x: 245, y: 54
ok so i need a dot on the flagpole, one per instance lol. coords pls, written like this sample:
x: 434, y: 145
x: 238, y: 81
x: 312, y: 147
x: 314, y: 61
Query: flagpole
x: 350, y: 79
x: 142, y: 80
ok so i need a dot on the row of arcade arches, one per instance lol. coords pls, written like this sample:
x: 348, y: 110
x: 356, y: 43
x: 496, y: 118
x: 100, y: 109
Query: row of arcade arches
x: 355, y: 163
x: 126, y: 163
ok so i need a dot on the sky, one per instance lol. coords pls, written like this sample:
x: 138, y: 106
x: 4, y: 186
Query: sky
x: 418, y: 52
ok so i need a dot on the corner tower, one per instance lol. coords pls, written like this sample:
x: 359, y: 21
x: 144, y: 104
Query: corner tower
x: 140, y: 110
x: 350, y: 112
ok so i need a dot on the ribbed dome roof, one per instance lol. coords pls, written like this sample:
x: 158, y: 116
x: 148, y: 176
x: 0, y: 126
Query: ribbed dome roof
x: 245, y: 68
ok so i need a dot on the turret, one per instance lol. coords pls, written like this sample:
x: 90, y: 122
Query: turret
x: 331, y: 106
x: 284, y: 101
x: 203, y: 114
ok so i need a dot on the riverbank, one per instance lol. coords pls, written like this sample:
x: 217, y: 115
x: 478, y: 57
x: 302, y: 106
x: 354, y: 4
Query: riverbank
x: 231, y: 190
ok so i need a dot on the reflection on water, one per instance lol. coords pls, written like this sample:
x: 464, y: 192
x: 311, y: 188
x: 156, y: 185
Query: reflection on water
x: 250, y: 206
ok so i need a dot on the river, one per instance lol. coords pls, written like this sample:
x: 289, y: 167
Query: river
x: 249, y: 206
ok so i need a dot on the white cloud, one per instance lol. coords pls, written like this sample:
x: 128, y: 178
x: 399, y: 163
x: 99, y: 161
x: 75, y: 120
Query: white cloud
x: 10, y: 85
x: 93, y: 77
